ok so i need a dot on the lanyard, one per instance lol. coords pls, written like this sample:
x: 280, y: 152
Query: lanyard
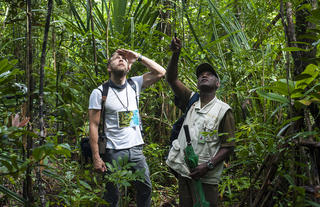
x: 126, y: 107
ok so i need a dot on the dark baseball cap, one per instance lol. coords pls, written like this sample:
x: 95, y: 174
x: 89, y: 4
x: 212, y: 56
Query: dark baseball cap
x: 206, y: 67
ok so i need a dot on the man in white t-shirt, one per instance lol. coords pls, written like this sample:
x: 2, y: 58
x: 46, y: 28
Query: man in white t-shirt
x: 123, y: 134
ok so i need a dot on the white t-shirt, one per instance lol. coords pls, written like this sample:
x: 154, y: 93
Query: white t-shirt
x: 121, y: 125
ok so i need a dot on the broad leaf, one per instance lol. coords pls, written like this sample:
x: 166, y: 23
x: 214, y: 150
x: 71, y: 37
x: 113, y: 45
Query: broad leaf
x: 309, y: 74
x: 294, y: 49
x: 12, y: 194
x: 273, y: 97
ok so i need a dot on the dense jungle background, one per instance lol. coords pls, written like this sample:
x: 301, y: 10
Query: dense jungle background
x: 53, y: 54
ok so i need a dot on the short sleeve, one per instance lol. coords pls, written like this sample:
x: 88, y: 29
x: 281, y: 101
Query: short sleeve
x: 95, y: 99
x: 139, y: 81
x: 227, y: 127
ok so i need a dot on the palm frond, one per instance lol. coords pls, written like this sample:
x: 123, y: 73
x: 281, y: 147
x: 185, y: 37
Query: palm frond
x: 79, y: 21
x: 118, y: 17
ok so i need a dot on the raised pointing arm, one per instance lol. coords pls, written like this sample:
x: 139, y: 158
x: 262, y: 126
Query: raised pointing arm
x: 179, y: 89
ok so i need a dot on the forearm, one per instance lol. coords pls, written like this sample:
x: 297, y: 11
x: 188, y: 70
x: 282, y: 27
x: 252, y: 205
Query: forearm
x: 93, y: 134
x: 222, y: 155
x: 172, y: 70
x: 202, y: 169
x: 177, y: 86
x: 156, y: 69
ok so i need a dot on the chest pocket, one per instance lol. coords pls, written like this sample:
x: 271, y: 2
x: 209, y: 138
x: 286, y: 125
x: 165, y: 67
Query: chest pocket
x: 210, y: 131
x: 209, y: 141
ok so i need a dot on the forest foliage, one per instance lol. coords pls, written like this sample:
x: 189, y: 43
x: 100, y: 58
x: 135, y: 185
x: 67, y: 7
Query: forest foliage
x: 54, y: 53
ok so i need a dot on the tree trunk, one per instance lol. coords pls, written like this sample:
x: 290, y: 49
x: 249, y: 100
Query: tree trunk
x: 42, y: 64
x: 55, y: 68
x: 93, y: 39
x: 41, y: 97
x: 107, y: 30
x: 295, y: 34
x: 27, y: 186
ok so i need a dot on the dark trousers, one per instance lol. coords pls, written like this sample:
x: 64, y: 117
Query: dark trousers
x: 143, y: 189
x: 187, y: 193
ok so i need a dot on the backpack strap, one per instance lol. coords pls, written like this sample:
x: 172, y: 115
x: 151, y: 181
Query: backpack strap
x: 104, y: 92
x: 176, y: 127
x: 105, y: 88
x: 134, y: 87
x: 132, y: 84
x: 186, y: 106
x: 192, y: 100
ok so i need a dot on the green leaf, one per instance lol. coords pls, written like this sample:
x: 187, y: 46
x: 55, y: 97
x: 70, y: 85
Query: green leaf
x: 220, y: 39
x: 297, y: 93
x: 4, y: 66
x: 63, y: 149
x: 42, y: 151
x: 79, y: 21
x: 283, y: 129
x: 12, y: 194
x: 313, y: 203
x: 64, y: 146
x: 7, y: 165
x: 109, y: 166
x: 307, y: 76
x: 273, y: 97
x: 302, y: 76
x: 305, y: 102
x: 316, y: 100
x: 287, y: 123
x: 53, y: 175
x: 85, y: 184
x: 119, y: 9
x: 289, y: 179
x: 294, y: 49
x: 126, y: 183
x: 282, y: 87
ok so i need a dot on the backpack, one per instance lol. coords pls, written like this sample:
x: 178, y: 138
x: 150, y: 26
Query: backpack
x: 84, y: 143
x: 176, y: 127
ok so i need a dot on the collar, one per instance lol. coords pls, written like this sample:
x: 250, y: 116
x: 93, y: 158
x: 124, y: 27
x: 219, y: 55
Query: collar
x: 206, y: 108
x: 113, y: 85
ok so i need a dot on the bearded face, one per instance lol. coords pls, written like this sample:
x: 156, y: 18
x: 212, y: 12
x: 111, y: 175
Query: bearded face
x: 118, y: 65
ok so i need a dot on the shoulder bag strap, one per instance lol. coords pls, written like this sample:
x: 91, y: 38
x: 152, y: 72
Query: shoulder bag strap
x: 105, y: 88
x: 134, y: 87
x: 192, y: 100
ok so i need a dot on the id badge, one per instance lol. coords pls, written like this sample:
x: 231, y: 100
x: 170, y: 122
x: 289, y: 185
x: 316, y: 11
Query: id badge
x: 128, y: 118
x: 204, y: 136
x: 202, y: 139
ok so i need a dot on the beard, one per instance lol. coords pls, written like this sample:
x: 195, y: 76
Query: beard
x: 119, y: 72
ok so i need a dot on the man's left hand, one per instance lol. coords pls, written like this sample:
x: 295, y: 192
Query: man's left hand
x: 199, y: 171
x: 130, y: 55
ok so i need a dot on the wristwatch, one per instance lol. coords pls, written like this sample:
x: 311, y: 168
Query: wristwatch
x: 210, y: 165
